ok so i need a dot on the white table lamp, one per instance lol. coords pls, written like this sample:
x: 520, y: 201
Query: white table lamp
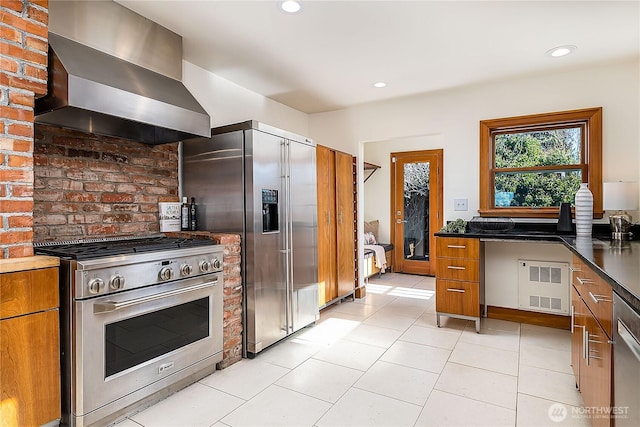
x: 620, y: 197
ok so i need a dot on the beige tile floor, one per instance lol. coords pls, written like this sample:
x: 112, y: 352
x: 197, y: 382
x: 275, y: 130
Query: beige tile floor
x: 381, y: 361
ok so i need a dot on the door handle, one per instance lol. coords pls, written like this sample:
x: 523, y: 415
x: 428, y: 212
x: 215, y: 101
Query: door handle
x: 627, y: 338
x: 109, y: 306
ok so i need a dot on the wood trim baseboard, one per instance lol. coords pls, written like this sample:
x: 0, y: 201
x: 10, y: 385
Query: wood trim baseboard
x: 529, y: 317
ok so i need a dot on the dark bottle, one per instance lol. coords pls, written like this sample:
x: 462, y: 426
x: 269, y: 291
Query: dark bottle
x: 564, y: 219
x: 193, y: 222
x: 184, y: 215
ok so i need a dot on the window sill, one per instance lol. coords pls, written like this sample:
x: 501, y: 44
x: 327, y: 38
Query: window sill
x: 527, y: 213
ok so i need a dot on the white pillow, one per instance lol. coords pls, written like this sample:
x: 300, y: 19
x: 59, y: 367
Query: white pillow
x: 369, y: 239
x: 372, y: 227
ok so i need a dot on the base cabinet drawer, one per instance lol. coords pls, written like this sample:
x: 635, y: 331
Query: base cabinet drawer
x: 596, y: 293
x: 457, y: 247
x: 457, y: 297
x: 457, y: 269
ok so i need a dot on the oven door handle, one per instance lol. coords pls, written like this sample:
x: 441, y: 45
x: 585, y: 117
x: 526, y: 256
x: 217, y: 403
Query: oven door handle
x: 629, y: 339
x: 109, y: 306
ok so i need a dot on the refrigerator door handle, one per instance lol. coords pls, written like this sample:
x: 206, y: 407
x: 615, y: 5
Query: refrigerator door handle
x: 286, y: 155
x: 290, y: 237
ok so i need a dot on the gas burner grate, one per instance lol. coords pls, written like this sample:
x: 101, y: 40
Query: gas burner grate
x: 107, y: 247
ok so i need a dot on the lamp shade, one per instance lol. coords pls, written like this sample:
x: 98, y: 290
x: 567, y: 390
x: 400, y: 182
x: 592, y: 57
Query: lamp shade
x: 620, y: 196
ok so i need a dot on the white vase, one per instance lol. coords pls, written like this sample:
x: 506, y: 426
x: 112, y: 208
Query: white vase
x: 584, y: 211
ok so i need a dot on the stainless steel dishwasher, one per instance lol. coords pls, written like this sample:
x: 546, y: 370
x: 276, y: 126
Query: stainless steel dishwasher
x: 626, y: 364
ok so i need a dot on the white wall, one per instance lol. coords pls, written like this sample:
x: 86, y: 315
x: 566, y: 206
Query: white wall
x: 501, y: 267
x: 228, y: 103
x: 456, y: 114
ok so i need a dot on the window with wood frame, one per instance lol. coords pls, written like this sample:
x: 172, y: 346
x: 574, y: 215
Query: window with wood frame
x: 531, y: 164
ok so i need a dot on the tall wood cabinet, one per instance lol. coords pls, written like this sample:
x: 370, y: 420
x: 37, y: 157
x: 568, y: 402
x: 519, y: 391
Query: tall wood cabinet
x: 29, y: 341
x: 336, y: 225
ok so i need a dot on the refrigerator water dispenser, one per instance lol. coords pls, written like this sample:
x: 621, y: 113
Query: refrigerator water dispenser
x: 269, y: 210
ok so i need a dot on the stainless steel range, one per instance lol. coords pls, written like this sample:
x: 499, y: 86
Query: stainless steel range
x: 140, y: 319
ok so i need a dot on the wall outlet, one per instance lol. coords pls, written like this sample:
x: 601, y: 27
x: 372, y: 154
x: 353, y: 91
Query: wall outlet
x: 460, y: 205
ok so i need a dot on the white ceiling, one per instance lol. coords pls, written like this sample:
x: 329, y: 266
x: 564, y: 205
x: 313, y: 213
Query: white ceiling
x: 327, y: 56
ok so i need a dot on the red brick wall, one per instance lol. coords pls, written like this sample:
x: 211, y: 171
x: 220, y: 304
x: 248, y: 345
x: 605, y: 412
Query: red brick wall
x: 90, y: 185
x: 23, y: 75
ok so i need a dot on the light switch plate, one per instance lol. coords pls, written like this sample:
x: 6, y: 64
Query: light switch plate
x: 460, y: 205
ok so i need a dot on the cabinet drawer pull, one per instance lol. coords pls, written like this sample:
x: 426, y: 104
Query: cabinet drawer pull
x: 573, y: 322
x: 599, y: 298
x: 453, y: 267
x: 584, y: 281
x: 456, y: 246
x: 461, y: 291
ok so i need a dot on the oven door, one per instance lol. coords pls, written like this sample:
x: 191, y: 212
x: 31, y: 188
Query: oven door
x: 130, y: 340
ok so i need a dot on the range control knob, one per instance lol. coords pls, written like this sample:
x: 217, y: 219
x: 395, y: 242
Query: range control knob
x: 166, y: 273
x: 96, y: 285
x: 186, y: 269
x: 116, y: 282
x: 205, y: 266
x: 216, y: 264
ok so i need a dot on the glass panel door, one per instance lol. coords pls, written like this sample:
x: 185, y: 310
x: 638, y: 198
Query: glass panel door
x: 417, y: 209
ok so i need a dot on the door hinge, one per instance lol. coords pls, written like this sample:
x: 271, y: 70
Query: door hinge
x: 393, y: 160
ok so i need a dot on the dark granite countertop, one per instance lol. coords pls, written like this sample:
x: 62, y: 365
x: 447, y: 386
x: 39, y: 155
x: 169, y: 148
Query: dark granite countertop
x: 618, y: 263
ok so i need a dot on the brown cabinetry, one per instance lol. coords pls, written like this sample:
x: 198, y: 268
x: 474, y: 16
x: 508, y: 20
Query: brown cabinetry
x: 29, y: 346
x: 458, y: 278
x: 591, y: 348
x: 336, y: 225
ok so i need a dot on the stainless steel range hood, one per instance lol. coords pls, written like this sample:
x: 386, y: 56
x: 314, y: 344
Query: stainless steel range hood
x: 96, y: 92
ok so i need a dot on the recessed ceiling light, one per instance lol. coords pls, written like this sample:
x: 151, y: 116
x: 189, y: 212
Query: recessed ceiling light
x: 379, y: 84
x: 559, y: 51
x: 291, y: 6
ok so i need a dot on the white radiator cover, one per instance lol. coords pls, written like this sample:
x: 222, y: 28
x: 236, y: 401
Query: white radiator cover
x: 543, y: 286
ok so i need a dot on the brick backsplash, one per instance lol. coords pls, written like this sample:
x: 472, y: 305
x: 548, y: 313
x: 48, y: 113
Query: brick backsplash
x: 88, y: 185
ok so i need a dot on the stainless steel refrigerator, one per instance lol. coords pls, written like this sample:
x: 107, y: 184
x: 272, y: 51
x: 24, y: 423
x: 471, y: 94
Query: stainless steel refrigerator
x: 259, y: 181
